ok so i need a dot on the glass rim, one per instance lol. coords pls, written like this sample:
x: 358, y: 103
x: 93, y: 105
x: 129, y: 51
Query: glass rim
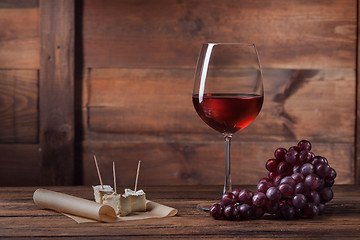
x: 230, y: 43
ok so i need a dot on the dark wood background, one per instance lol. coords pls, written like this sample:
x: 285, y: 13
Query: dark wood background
x: 115, y: 78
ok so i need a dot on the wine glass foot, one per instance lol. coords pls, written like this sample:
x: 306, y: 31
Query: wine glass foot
x: 204, y: 206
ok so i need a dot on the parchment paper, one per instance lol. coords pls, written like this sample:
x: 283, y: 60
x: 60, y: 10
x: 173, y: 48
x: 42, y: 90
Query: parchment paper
x: 82, y: 210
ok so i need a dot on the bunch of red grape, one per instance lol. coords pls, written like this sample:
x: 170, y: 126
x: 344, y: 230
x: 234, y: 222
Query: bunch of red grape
x: 298, y: 185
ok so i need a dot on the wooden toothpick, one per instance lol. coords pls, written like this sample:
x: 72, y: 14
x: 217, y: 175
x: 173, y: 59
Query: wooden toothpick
x: 114, y: 175
x: 137, y: 175
x: 98, y: 171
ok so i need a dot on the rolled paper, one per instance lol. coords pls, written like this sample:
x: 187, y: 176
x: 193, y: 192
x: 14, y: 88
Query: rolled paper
x: 64, y: 203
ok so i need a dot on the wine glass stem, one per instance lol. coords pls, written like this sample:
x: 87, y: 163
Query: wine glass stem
x: 227, y: 184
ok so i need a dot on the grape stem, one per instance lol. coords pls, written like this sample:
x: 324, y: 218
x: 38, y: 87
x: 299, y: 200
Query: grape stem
x: 227, y: 183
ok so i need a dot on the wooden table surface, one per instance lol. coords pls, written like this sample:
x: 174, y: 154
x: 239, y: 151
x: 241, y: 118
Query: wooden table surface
x: 21, y: 218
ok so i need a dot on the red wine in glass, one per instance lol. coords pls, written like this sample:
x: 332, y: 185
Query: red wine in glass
x: 228, y: 113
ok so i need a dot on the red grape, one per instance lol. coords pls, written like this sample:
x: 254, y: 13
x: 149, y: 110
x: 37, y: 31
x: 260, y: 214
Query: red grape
x: 298, y: 177
x: 229, y: 211
x: 263, y: 187
x: 299, y: 200
x: 329, y: 183
x: 296, y: 168
x: 286, y: 190
x: 300, y: 187
x: 279, y: 154
x: 321, y: 208
x: 287, y: 211
x: 284, y: 169
x: 296, y: 148
x: 257, y: 212
x: 236, y: 214
x: 304, y: 144
x: 271, y: 165
x: 322, y: 170
x: 259, y: 199
x: 245, y: 211
x: 306, y: 169
x: 216, y: 211
x: 265, y: 180
x: 305, y: 156
x: 310, y: 210
x: 272, y: 175
x: 332, y: 175
x: 312, y: 181
x: 245, y: 196
x: 273, y: 194
x: 229, y: 198
x: 291, y: 157
x: 277, y: 180
x: 288, y: 180
x: 318, y: 159
x: 313, y: 197
x: 272, y: 207
x: 326, y: 194
x: 236, y: 192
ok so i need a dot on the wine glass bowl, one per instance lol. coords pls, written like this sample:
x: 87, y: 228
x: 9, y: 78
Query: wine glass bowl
x: 228, y: 92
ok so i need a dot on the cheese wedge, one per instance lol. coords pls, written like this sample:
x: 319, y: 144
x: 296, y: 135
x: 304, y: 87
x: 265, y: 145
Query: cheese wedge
x: 137, y: 200
x: 125, y: 206
x: 119, y: 203
x: 99, y: 192
x: 114, y: 201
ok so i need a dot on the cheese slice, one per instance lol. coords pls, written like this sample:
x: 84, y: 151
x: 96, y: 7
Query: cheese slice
x: 137, y: 200
x: 100, y: 191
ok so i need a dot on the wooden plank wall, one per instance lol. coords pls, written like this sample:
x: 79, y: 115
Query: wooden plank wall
x: 37, y: 92
x: 133, y: 81
x: 139, y: 60
x: 57, y: 28
x: 19, y: 92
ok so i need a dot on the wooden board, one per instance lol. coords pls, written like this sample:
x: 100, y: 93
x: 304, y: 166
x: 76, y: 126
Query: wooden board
x: 163, y: 33
x: 19, y: 106
x: 21, y: 218
x: 19, y: 35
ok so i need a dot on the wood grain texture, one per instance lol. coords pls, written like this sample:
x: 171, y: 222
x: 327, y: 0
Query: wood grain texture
x: 18, y: 106
x: 162, y: 33
x: 19, y: 4
x: 19, y: 38
x: 158, y: 101
x: 357, y: 129
x: 199, y: 163
x: 57, y: 91
x: 19, y: 165
x: 139, y: 64
x: 21, y: 218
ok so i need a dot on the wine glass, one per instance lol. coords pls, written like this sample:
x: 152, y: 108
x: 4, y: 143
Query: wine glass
x: 228, y: 91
